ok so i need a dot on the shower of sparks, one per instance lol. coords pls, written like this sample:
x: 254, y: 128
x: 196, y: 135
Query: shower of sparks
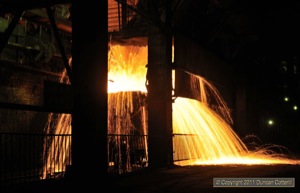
x: 204, y: 138
x: 202, y: 134
x: 58, y: 124
x: 127, y: 68
x: 126, y: 72
x: 127, y: 114
x: 211, y: 138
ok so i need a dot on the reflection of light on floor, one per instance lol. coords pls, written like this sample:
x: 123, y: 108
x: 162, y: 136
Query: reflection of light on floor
x: 240, y: 161
x: 248, y: 161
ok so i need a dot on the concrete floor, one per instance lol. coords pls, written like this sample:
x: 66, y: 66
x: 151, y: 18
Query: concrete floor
x: 196, y: 179
x: 185, y: 179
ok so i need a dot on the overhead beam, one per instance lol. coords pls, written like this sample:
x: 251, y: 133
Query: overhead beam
x: 9, y: 30
x: 35, y: 108
x: 59, y: 43
x: 10, y: 6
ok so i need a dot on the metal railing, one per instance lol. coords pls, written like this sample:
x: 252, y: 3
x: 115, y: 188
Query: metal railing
x: 181, y: 146
x: 33, y: 157
x: 127, y: 153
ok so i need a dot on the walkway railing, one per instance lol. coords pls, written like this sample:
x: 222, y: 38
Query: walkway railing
x: 32, y: 157
x: 127, y: 153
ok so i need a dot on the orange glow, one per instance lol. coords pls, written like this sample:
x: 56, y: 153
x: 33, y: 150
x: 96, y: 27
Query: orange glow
x: 60, y: 124
x: 211, y: 140
x: 126, y: 82
x: 127, y: 68
x: 202, y: 132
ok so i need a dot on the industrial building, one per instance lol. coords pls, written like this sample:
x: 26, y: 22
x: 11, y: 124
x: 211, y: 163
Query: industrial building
x: 62, y: 120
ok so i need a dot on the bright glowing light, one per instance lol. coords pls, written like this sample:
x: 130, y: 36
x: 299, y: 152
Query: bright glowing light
x: 202, y: 134
x: 270, y: 122
x: 286, y: 99
x: 295, y: 107
x: 127, y: 68
x: 127, y: 72
x: 211, y: 139
x: 247, y: 161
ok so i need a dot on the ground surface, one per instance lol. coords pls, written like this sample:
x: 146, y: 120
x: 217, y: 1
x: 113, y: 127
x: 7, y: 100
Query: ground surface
x: 186, y: 179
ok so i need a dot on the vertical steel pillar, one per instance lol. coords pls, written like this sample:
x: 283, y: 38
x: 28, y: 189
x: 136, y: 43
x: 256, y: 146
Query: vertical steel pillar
x: 159, y: 79
x: 89, y: 118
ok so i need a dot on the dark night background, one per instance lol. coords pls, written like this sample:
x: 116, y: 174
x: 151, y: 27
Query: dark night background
x: 259, y: 40
x: 256, y: 40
